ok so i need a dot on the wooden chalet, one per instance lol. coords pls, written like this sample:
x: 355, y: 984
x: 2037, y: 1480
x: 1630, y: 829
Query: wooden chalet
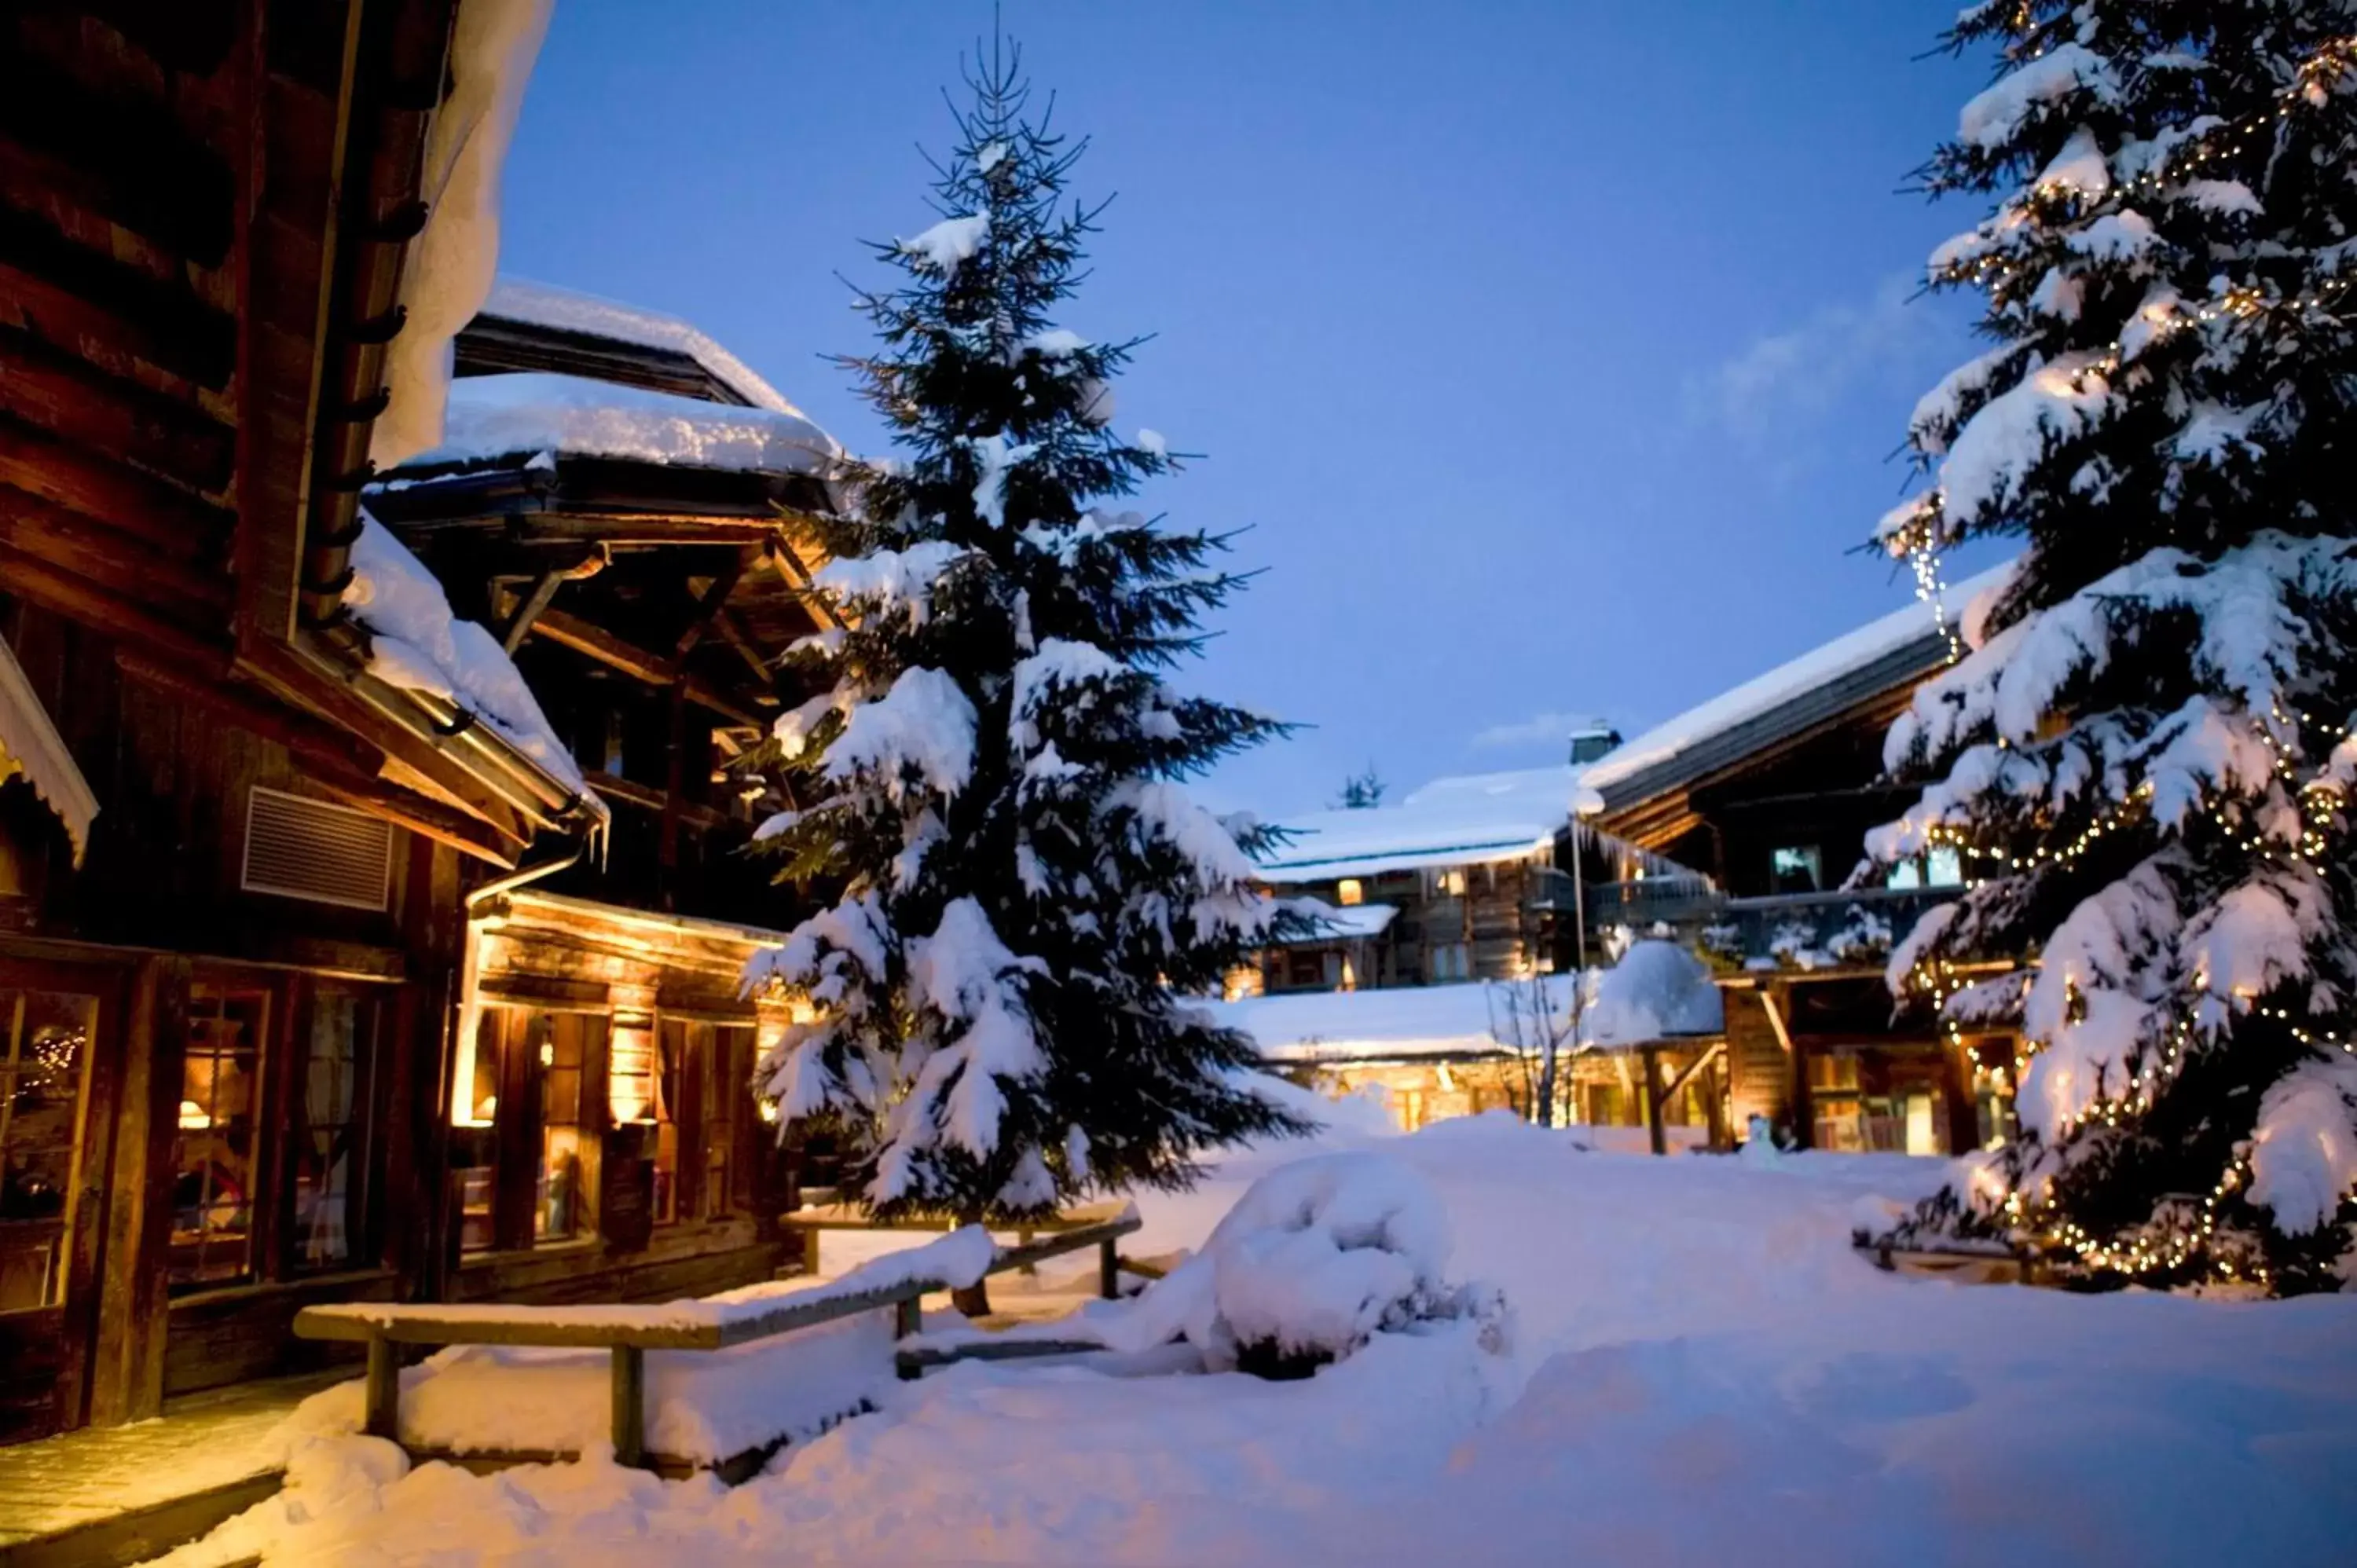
x: 1447, y: 886
x: 1764, y: 796
x: 233, y: 853
x: 617, y: 497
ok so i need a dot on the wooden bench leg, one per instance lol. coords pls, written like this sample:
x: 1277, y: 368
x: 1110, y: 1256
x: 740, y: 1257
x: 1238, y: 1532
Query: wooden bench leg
x: 383, y: 1389
x: 810, y: 1252
x: 907, y: 1319
x: 1108, y: 1272
x: 630, y: 1405
x: 1023, y: 1239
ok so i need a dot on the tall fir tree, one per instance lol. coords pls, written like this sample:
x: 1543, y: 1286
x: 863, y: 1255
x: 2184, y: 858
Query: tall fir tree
x: 1029, y: 896
x: 2146, y: 756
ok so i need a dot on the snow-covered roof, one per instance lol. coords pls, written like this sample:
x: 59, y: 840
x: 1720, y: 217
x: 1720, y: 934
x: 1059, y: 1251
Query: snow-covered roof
x: 568, y: 310
x: 1396, y: 1021
x: 1469, y: 819
x: 1345, y: 922
x: 536, y: 412
x: 1897, y: 646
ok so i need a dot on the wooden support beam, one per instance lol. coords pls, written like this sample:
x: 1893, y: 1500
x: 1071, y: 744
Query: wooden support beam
x: 52, y: 389
x: 1804, y: 1116
x: 383, y: 1404
x: 629, y: 792
x: 79, y: 300
x: 711, y: 602
x: 588, y: 638
x: 1652, y: 1057
x: 629, y: 1406
x: 733, y: 633
x: 1686, y: 1076
x: 520, y: 623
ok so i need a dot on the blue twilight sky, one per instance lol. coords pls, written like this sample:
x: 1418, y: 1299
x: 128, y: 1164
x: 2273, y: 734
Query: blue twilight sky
x: 1552, y: 352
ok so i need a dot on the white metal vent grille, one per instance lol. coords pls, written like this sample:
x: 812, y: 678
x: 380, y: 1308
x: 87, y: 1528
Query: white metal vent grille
x: 302, y: 848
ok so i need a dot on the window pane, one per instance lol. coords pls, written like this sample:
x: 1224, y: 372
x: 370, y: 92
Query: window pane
x: 214, y: 1152
x: 562, y: 1210
x: 475, y: 1145
x: 1947, y: 867
x: 44, y: 1072
x: 331, y: 1145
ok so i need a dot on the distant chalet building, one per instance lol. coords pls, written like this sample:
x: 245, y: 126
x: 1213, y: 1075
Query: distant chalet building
x: 1453, y: 883
x: 617, y: 497
x: 1766, y: 793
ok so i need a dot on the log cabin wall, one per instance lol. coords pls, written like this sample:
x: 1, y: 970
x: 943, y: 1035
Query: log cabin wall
x: 227, y: 1093
x: 256, y: 1097
x: 1455, y: 923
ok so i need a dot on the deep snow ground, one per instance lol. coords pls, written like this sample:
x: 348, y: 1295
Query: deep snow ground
x: 1702, y: 1372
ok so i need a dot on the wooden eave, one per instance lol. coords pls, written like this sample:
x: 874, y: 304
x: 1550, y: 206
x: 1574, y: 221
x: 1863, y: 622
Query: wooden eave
x: 495, y: 345
x: 205, y: 207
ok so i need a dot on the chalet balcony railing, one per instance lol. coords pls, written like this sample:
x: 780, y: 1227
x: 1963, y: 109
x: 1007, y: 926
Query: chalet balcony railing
x: 1804, y: 928
x: 1673, y: 900
x: 1846, y: 926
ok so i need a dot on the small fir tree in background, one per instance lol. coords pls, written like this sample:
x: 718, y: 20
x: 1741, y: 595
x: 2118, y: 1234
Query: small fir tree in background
x: 2146, y: 756
x: 1363, y: 790
x: 1028, y: 894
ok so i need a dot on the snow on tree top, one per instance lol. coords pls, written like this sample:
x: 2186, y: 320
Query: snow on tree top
x: 1990, y: 120
x: 949, y: 242
x: 497, y: 416
x: 1763, y: 694
x: 568, y: 310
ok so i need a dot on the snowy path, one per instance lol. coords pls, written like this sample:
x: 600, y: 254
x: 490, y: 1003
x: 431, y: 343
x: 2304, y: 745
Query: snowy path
x: 1703, y: 1372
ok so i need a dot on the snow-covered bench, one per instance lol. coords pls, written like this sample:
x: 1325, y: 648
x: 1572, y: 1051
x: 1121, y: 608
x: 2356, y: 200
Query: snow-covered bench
x: 898, y: 1281
x: 811, y: 1221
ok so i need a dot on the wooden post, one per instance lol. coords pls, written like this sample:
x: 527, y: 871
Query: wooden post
x: 383, y: 1389
x: 1651, y: 1056
x: 907, y: 1317
x: 1023, y: 1239
x: 1108, y: 1271
x: 629, y: 1406
x: 810, y: 1250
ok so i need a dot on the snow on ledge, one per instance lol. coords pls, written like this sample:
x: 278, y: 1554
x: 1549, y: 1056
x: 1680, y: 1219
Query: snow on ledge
x: 416, y: 644
x: 536, y: 412
x: 569, y: 310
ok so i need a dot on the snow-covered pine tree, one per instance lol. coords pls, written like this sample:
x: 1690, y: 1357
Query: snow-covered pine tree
x: 2146, y: 755
x: 1029, y: 896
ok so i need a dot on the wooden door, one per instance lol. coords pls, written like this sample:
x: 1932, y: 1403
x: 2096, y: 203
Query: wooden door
x: 58, y: 1027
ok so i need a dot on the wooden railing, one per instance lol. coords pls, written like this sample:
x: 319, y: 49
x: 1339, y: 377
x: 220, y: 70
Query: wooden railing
x: 630, y: 1332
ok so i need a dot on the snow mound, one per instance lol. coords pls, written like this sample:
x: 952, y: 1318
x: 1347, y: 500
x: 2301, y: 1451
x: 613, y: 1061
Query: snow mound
x: 1316, y: 1258
x: 1658, y: 990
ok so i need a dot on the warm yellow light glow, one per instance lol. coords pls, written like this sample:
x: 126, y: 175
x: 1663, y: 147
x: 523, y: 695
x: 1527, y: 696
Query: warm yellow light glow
x: 1350, y: 891
x: 630, y: 1076
x: 193, y: 1118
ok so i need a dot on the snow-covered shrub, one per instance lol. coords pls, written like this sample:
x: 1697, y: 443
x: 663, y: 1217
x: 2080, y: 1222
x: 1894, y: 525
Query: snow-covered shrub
x: 1314, y: 1258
